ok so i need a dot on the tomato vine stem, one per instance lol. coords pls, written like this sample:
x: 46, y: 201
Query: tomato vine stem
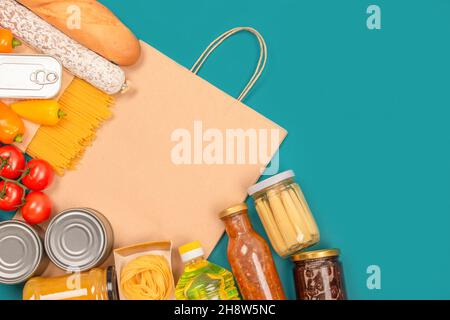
x: 16, y: 182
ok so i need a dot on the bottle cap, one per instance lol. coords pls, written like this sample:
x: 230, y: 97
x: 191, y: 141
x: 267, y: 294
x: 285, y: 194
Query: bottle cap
x: 191, y: 251
x: 233, y: 210
x: 270, y: 182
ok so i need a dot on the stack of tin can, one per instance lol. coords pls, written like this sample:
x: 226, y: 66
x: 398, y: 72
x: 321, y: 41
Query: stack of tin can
x: 76, y: 240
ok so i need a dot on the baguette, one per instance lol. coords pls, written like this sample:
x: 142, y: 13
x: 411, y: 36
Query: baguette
x: 80, y: 61
x: 98, y: 28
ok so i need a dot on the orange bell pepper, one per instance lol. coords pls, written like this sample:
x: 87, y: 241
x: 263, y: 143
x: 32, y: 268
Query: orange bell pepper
x: 7, y: 41
x: 12, y: 127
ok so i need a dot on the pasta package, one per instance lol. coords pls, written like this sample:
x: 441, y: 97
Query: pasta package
x: 144, y: 271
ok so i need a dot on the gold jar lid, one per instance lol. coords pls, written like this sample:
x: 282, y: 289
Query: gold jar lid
x: 318, y: 254
x: 233, y: 210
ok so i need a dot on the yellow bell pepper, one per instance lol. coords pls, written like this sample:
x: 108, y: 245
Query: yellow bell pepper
x: 43, y: 112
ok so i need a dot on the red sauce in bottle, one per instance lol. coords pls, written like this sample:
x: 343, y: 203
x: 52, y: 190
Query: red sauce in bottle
x: 250, y: 258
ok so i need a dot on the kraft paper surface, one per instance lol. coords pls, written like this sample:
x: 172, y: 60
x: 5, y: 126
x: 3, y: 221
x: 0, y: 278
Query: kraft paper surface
x: 129, y: 175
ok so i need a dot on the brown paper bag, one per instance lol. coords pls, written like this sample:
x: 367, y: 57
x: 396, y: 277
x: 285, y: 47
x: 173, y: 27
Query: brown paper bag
x: 133, y: 175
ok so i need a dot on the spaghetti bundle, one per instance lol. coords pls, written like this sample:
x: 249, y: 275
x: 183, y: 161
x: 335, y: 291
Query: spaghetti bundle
x: 64, y: 144
x: 147, y: 278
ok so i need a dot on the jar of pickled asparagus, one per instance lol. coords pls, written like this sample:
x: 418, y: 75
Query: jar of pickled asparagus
x: 285, y: 214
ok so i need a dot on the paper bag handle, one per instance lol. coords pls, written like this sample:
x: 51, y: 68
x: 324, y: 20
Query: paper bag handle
x: 219, y: 40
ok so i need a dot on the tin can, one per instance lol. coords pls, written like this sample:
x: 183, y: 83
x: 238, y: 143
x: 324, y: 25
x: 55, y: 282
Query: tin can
x: 22, y: 254
x: 79, y: 239
x: 29, y: 76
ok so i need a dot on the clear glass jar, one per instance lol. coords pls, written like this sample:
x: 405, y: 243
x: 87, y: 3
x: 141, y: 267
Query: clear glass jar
x: 285, y: 214
x: 318, y: 275
x: 96, y: 284
x: 250, y: 257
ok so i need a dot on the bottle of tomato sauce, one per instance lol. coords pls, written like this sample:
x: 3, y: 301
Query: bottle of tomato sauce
x: 250, y: 257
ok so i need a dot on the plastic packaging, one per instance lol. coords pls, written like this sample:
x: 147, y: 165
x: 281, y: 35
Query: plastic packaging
x: 201, y: 279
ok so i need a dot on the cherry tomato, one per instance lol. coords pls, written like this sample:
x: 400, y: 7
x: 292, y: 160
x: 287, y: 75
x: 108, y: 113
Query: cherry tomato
x: 37, y: 208
x: 40, y: 175
x: 12, y: 162
x: 10, y: 196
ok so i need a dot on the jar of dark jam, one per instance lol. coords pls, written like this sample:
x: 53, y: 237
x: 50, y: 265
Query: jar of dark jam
x: 318, y: 275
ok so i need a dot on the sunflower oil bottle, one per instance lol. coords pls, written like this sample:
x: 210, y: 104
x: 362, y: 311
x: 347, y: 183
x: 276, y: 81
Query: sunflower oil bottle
x: 201, y: 279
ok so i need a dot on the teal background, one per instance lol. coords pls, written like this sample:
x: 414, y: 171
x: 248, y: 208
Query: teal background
x: 367, y: 114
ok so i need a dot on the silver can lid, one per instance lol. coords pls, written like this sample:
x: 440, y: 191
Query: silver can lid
x: 21, y: 252
x: 76, y: 240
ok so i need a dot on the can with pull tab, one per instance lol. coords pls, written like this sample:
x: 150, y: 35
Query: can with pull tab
x: 29, y: 76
